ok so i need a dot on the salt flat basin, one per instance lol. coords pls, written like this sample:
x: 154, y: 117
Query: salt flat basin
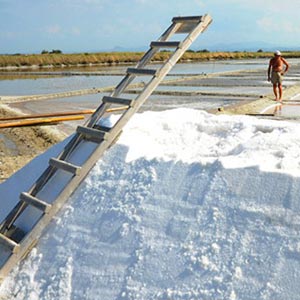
x: 290, y: 107
x: 286, y: 109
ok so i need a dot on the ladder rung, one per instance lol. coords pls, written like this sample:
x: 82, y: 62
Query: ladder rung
x: 135, y: 71
x: 115, y: 100
x: 37, y: 203
x: 9, y: 243
x: 92, y: 134
x: 166, y: 44
x: 192, y: 19
x: 102, y: 128
x: 66, y: 166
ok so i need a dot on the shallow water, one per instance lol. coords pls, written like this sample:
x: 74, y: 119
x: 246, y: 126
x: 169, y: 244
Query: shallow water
x: 252, y: 84
x: 45, y: 85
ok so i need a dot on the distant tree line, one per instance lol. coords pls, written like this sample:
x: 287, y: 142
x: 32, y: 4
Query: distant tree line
x: 57, y: 58
x: 51, y: 52
x: 198, y: 51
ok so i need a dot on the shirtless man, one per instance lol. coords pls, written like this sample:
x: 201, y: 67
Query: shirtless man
x: 276, y: 66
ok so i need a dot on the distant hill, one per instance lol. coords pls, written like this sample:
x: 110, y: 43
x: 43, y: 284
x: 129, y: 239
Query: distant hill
x: 250, y: 46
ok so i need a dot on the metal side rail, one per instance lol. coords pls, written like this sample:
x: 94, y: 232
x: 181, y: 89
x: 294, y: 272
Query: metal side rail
x: 35, y: 208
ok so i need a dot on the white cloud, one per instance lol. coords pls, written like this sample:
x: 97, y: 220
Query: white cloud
x: 268, y: 6
x: 75, y: 31
x: 54, y: 29
x: 8, y: 34
x: 273, y: 24
x: 259, y: 4
x: 83, y: 2
x: 86, y: 4
x: 200, y: 3
x: 290, y: 27
x: 267, y: 24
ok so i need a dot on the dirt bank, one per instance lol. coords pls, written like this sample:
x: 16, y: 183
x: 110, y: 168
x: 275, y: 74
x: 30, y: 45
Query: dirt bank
x: 20, y: 145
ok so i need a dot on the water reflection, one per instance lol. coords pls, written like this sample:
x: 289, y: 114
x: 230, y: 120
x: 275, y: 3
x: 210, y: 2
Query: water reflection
x: 251, y: 83
x: 30, y: 83
x: 278, y: 109
x: 43, y: 85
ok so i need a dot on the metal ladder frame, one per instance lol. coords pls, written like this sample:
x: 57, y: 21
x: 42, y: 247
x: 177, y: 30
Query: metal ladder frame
x: 16, y: 242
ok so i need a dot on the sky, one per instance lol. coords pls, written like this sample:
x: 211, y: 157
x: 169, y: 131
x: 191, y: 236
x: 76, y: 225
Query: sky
x: 202, y: 207
x: 32, y: 26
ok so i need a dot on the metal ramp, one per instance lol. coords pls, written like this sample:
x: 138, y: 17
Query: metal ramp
x: 34, y: 209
